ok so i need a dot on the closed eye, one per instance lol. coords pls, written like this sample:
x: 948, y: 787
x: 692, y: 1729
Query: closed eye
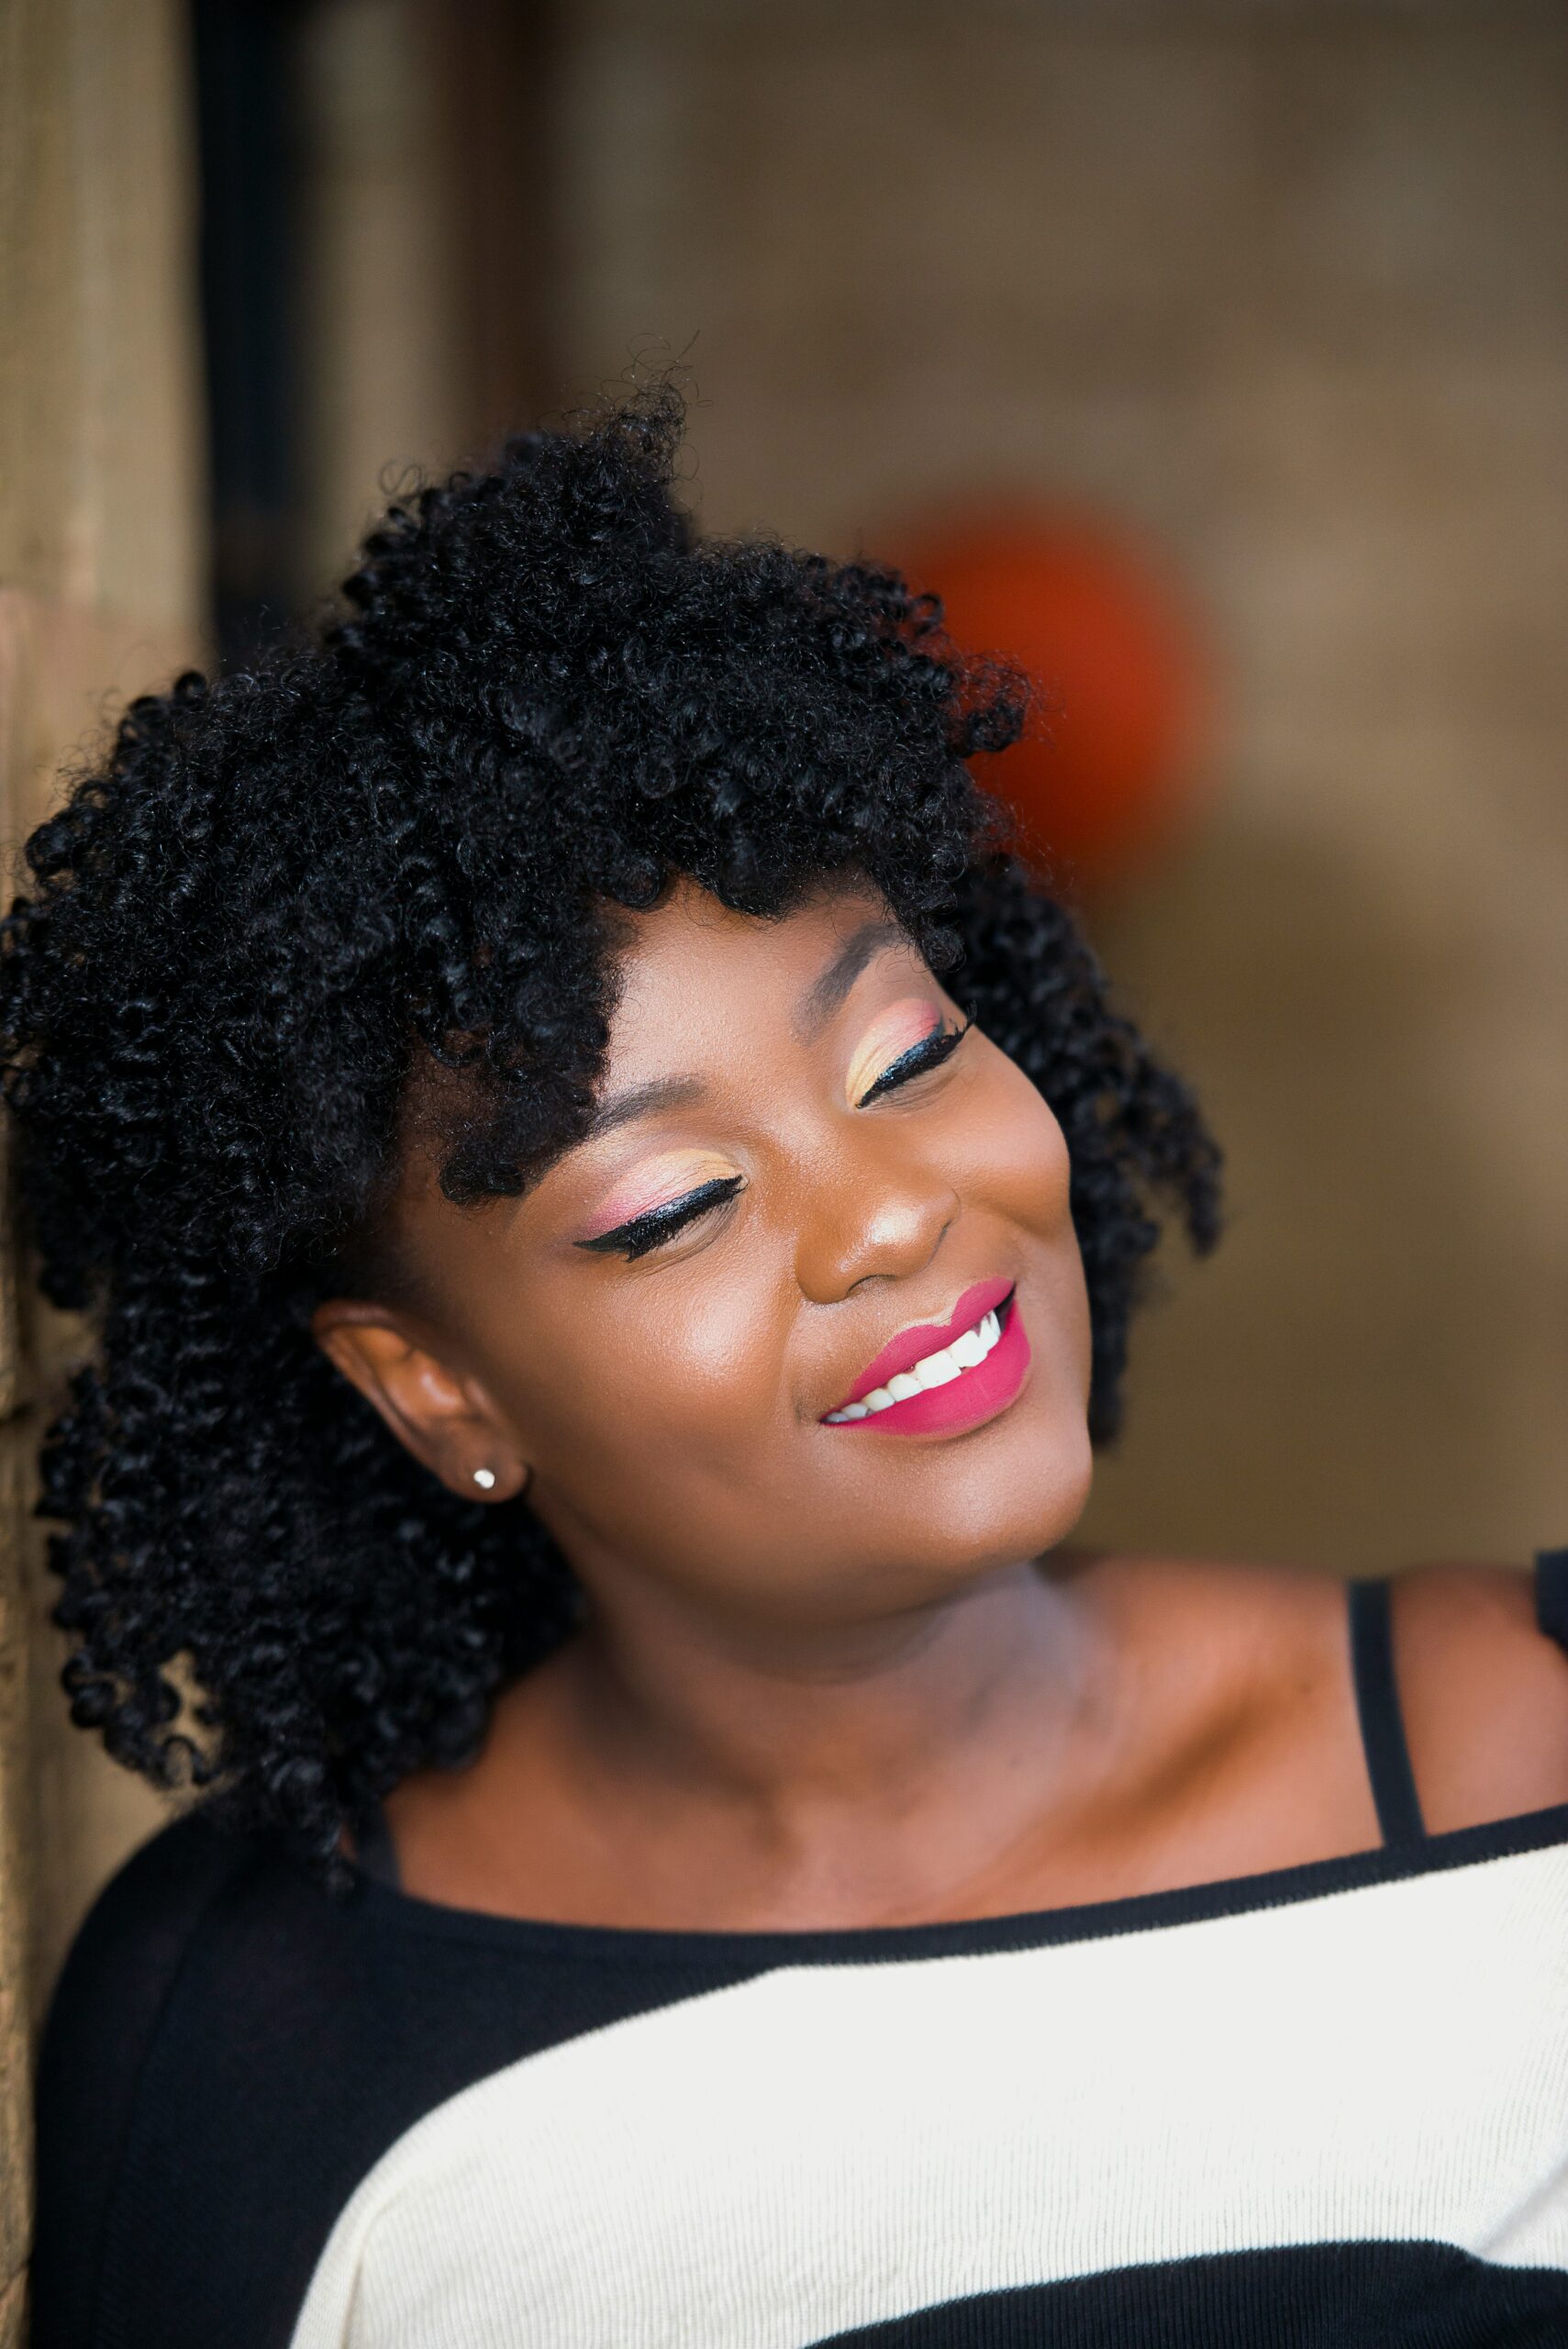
x: 656, y: 1225
x: 928, y: 1053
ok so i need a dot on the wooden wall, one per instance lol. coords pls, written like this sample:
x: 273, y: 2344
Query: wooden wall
x: 100, y: 584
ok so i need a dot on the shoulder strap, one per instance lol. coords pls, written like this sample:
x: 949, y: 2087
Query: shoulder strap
x: 1551, y: 1593
x: 1382, y: 1724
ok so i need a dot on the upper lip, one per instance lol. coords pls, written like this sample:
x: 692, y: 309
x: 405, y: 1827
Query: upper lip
x: 923, y: 1338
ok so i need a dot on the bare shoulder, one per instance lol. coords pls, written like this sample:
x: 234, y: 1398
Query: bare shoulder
x: 1258, y: 1645
x: 1245, y: 1615
x: 1483, y: 1692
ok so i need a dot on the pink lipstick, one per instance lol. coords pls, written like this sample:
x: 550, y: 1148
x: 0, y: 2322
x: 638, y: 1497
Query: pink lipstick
x: 937, y: 1378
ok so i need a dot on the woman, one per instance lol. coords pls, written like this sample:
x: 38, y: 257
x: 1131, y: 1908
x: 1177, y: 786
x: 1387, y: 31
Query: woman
x: 612, y: 1209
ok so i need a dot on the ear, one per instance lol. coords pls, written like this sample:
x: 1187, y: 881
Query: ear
x: 444, y: 1417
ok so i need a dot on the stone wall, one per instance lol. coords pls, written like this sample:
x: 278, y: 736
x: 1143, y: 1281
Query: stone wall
x: 99, y: 590
x: 1285, y: 285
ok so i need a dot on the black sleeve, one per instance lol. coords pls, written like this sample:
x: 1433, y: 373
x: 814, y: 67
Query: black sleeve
x: 229, y: 2053
x: 1551, y: 1593
x: 112, y: 1994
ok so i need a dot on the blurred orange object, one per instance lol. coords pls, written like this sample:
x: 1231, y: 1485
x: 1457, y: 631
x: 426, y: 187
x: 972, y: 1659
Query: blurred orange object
x: 1112, y: 760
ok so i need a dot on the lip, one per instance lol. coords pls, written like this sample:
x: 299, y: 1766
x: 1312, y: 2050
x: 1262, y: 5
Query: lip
x: 911, y: 1345
x: 923, y: 1338
x: 965, y: 1402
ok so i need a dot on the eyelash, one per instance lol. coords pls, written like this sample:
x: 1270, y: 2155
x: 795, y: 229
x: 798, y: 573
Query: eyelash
x: 646, y: 1232
x: 650, y: 1230
x: 928, y: 1053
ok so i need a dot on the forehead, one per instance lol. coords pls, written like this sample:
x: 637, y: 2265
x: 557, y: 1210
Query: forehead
x: 692, y: 974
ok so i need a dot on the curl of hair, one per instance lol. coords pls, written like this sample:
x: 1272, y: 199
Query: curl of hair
x: 403, y: 839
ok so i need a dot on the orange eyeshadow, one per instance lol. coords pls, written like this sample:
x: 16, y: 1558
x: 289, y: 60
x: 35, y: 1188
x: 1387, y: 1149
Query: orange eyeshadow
x: 900, y: 1026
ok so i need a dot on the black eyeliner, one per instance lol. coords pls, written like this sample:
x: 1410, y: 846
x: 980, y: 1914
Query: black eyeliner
x: 645, y: 1231
x: 929, y: 1052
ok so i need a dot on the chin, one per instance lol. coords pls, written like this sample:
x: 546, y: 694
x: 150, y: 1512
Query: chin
x: 1008, y: 1501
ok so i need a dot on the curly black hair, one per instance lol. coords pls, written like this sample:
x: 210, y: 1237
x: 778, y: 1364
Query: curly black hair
x: 398, y: 841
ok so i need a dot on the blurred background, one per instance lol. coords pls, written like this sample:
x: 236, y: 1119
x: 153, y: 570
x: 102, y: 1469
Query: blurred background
x: 1215, y: 351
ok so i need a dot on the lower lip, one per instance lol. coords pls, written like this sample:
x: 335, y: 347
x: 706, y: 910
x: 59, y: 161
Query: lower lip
x: 965, y: 1401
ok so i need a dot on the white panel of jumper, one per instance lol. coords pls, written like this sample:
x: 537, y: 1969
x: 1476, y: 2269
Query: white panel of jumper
x: 828, y: 2144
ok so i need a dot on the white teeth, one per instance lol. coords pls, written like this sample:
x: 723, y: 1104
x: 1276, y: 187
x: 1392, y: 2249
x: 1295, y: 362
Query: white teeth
x: 940, y: 1369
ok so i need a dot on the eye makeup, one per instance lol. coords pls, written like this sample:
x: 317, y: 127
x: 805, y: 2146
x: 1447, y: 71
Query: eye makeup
x: 646, y: 1231
x: 910, y: 1037
x: 661, y: 1201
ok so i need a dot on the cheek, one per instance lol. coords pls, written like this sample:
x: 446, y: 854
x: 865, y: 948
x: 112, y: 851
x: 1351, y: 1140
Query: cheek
x: 1024, y: 1177
x: 666, y: 1372
x: 1014, y: 1150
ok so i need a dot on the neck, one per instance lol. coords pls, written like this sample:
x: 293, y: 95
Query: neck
x: 791, y: 1724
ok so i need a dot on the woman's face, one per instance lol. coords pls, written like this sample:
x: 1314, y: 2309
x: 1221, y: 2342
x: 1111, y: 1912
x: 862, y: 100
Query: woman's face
x: 697, y: 1334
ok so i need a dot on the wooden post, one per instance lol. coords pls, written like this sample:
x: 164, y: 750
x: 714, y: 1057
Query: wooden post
x: 100, y: 589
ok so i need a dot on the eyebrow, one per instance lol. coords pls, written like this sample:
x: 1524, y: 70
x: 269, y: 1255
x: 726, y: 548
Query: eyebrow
x: 643, y: 1101
x: 816, y: 1006
x: 824, y: 995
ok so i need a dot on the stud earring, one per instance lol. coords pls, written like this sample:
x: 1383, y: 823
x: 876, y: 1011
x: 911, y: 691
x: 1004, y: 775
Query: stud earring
x: 485, y: 1477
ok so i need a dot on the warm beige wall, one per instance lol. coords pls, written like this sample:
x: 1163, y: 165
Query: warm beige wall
x: 1287, y: 286
x: 380, y: 396
x: 99, y: 592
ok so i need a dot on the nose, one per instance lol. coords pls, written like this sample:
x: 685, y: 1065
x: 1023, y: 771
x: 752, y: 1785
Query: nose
x: 870, y: 1222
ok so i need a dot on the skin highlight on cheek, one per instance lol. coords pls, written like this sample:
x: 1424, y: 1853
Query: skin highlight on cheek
x: 901, y: 1025
x: 656, y: 1182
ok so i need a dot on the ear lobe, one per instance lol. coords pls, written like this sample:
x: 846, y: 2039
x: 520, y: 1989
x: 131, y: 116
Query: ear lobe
x: 443, y: 1418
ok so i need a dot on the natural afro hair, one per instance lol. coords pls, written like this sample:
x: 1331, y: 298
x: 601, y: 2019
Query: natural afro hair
x: 403, y: 841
